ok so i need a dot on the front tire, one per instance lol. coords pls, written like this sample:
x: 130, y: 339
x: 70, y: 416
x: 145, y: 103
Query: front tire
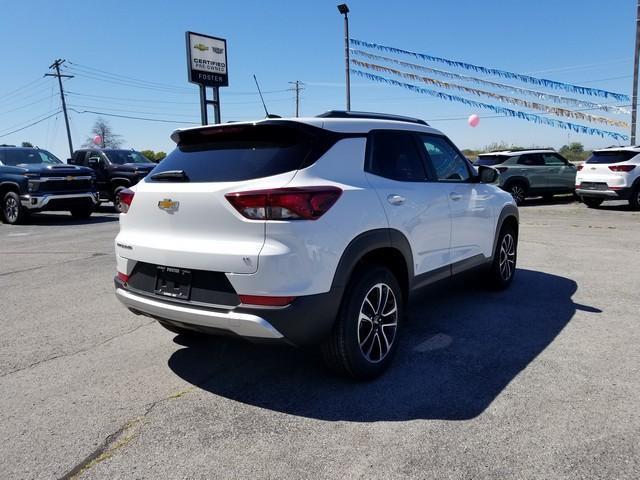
x: 12, y: 210
x: 592, y: 202
x: 503, y: 267
x: 365, y: 335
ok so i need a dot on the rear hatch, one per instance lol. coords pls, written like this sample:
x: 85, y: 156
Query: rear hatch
x: 596, y: 172
x: 179, y: 216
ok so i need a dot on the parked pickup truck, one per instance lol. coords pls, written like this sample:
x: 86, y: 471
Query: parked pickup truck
x: 34, y: 180
x: 115, y: 170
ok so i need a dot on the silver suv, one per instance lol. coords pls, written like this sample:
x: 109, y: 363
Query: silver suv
x: 530, y: 173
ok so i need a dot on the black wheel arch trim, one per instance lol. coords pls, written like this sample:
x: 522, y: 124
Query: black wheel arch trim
x: 508, y: 211
x: 368, y: 242
x: 10, y: 184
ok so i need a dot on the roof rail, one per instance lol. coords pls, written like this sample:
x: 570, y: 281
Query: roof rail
x: 370, y: 115
x: 522, y: 149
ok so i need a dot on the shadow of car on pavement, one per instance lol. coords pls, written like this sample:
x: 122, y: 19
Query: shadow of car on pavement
x: 461, y: 347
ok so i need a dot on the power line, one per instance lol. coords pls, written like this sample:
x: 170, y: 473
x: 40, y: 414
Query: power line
x: 132, y: 111
x: 8, y: 94
x: 27, y: 105
x: 30, y: 125
x: 125, y: 77
x: 131, y: 117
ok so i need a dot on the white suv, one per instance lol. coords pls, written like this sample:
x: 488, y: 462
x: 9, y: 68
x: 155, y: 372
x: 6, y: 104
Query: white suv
x: 309, y: 231
x: 610, y: 174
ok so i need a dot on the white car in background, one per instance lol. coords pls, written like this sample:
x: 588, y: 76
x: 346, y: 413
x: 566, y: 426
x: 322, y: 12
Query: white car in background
x: 610, y: 174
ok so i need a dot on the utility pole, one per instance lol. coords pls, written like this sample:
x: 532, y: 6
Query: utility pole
x: 634, y: 98
x: 344, y: 10
x: 298, y: 86
x: 56, y: 65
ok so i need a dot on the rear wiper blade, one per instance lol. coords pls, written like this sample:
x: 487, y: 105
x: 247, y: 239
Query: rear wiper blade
x: 171, y: 175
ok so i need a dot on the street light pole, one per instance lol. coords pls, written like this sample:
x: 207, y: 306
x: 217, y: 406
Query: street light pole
x: 343, y: 9
x: 634, y: 98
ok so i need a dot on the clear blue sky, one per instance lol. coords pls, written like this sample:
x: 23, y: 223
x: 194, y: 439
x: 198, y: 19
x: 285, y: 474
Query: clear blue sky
x: 587, y: 42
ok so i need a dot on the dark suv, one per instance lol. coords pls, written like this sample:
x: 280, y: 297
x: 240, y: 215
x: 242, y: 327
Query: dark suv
x: 115, y: 170
x: 33, y: 180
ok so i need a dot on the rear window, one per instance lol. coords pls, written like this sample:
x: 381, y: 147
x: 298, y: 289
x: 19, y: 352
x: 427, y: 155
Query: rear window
x: 489, y: 160
x: 615, y: 156
x: 243, y: 152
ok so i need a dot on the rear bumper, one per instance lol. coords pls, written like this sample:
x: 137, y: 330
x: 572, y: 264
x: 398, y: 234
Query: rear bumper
x: 307, y: 320
x: 619, y: 194
x: 40, y: 202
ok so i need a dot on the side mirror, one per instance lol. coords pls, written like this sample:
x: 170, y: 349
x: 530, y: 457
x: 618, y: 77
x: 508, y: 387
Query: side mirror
x: 487, y: 174
x: 93, y: 162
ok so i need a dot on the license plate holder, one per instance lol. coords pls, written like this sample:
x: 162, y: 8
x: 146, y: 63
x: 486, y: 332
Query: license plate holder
x: 593, y: 186
x: 173, y: 282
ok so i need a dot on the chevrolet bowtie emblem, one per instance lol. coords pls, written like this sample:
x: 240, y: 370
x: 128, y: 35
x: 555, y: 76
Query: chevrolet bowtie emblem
x: 168, y: 205
x: 69, y: 178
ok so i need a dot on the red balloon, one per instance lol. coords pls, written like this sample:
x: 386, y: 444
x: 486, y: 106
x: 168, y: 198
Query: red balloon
x: 97, y: 140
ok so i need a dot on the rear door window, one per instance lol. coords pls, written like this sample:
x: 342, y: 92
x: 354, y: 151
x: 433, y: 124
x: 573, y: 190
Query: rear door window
x: 553, y: 160
x: 611, y: 157
x: 531, y: 160
x: 394, y: 155
x: 242, y: 152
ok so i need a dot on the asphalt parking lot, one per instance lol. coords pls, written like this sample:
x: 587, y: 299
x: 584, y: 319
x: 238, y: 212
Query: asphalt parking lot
x: 541, y: 381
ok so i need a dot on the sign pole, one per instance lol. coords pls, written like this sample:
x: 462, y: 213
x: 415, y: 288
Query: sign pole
x: 216, y: 105
x: 203, y: 105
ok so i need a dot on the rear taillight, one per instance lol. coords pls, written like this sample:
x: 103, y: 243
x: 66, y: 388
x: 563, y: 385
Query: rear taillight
x: 502, y: 169
x: 580, y: 167
x: 303, y: 203
x: 123, y: 277
x: 126, y: 197
x: 266, y: 301
x: 621, y: 168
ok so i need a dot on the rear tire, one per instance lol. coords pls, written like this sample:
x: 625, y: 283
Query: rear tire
x: 503, y: 267
x: 634, y: 199
x: 592, y: 202
x: 365, y: 335
x: 11, y: 209
x: 518, y: 191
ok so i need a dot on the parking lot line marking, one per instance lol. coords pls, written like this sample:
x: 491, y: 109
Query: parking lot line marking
x: 434, y: 342
x: 18, y: 234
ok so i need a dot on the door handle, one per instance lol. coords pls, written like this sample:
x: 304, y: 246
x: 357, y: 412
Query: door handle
x: 395, y: 199
x: 455, y: 196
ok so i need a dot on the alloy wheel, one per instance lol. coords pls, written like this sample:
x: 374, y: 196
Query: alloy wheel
x: 507, y: 257
x: 517, y: 192
x: 11, y: 209
x: 377, y: 322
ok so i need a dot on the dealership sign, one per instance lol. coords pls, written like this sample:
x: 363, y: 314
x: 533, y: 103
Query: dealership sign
x: 207, y: 60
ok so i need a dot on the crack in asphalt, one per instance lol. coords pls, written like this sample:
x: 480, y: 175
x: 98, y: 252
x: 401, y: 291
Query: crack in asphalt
x: 30, y: 269
x: 119, y: 439
x: 64, y: 355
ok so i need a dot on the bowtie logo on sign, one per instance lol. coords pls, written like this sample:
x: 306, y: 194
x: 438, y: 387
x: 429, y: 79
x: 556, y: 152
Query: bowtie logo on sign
x: 201, y: 47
